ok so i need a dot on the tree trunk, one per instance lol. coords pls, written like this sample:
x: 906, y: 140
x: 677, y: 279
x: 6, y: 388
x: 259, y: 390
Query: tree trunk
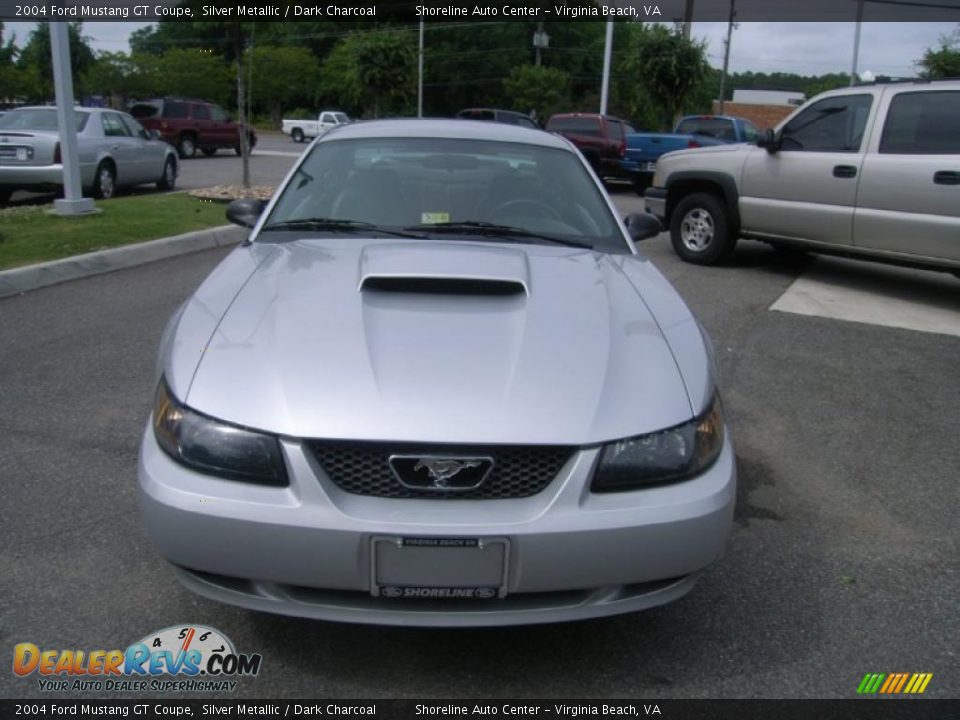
x: 241, y: 110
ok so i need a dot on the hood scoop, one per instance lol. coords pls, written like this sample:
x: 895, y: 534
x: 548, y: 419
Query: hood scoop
x: 444, y: 269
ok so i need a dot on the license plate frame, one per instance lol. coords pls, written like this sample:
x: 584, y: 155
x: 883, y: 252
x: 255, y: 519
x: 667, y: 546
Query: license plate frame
x: 443, y: 568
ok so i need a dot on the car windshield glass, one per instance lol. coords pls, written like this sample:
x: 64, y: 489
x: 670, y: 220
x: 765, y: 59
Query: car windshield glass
x: 145, y: 109
x: 445, y: 188
x: 38, y: 119
x: 719, y: 128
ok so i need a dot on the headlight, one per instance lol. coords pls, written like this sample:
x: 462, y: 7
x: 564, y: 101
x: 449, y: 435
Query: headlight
x: 213, y: 447
x: 657, y: 180
x: 662, y: 457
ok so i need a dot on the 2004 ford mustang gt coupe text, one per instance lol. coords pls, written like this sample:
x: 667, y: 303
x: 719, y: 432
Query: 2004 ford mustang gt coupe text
x: 437, y: 386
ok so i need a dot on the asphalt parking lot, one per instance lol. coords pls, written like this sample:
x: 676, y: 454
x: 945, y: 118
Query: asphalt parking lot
x: 843, y: 558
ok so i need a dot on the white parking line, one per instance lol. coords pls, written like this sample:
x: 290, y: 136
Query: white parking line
x: 863, y: 292
x: 277, y: 153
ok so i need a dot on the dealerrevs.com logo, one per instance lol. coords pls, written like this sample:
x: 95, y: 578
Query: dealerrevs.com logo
x: 180, y: 658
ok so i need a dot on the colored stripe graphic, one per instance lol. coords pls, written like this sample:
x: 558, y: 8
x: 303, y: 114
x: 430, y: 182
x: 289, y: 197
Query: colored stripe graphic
x: 894, y: 683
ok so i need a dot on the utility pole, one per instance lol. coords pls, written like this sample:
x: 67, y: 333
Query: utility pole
x: 726, y: 55
x: 687, y: 19
x: 856, y: 44
x: 538, y: 43
x: 607, y: 49
x: 244, y: 144
x: 420, y: 74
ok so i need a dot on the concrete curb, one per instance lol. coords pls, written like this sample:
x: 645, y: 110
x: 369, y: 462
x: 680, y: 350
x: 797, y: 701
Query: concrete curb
x: 31, y: 277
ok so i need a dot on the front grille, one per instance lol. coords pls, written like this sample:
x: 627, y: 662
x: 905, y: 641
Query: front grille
x: 364, y: 469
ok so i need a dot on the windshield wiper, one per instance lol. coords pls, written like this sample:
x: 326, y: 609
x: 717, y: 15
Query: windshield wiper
x: 337, y: 225
x: 486, y: 229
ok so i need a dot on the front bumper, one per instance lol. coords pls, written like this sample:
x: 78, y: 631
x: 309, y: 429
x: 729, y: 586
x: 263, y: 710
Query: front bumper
x: 655, y: 202
x: 305, y: 550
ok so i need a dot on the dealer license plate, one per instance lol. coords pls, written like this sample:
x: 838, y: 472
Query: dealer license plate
x: 439, y: 568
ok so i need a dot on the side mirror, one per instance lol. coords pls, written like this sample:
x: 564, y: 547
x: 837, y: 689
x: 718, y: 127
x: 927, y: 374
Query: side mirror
x: 769, y: 140
x: 153, y: 134
x: 245, y: 211
x: 642, y: 226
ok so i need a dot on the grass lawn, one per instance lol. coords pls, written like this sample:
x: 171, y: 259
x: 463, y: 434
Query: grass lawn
x: 31, y: 234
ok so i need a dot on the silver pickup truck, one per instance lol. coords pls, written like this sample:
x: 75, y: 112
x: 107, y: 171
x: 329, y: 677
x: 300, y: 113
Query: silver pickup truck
x: 868, y: 171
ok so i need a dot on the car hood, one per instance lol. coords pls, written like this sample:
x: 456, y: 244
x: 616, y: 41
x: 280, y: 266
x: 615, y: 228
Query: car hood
x: 442, y: 342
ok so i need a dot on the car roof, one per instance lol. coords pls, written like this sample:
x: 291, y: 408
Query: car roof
x: 445, y: 128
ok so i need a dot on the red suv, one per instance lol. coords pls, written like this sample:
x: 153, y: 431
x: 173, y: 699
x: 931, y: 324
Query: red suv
x: 601, y: 139
x: 191, y: 125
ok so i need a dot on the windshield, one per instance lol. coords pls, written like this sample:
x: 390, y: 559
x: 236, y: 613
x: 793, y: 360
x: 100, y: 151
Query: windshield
x: 720, y: 128
x: 37, y: 119
x: 499, y: 191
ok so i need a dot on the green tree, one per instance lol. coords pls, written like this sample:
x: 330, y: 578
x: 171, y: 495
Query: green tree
x: 36, y: 64
x: 670, y: 67
x: 944, y: 61
x: 11, y: 83
x: 373, y: 71
x: 194, y: 73
x: 282, y: 77
x: 538, y: 89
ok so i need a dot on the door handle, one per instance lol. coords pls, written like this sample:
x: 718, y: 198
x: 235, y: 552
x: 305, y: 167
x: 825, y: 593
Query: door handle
x: 844, y: 171
x: 946, y: 177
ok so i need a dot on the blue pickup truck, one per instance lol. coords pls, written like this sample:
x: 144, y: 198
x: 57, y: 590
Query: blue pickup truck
x: 644, y: 149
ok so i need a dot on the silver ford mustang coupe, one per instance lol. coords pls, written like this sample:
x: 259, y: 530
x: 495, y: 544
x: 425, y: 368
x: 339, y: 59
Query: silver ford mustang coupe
x: 437, y: 385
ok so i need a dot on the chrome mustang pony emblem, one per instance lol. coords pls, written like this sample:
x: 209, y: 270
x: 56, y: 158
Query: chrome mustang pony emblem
x: 442, y: 469
x: 450, y: 474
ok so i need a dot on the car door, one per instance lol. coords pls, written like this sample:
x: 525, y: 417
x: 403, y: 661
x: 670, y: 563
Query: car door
x: 207, y: 136
x: 151, y: 153
x: 909, y: 200
x: 123, y: 149
x: 807, y: 189
x: 226, y: 132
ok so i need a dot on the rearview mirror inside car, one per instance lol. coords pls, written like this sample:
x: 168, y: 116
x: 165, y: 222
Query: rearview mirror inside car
x: 642, y: 226
x: 245, y: 211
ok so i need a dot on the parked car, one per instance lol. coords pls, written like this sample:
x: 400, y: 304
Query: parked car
x: 693, y: 131
x: 510, y: 117
x: 438, y: 386
x: 301, y: 129
x: 601, y: 139
x: 191, y: 125
x: 114, y: 151
x: 868, y: 171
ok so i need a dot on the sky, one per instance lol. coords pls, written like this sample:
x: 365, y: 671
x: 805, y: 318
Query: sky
x: 802, y: 48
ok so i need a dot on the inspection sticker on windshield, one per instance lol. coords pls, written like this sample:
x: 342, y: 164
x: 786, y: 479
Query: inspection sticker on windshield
x: 432, y: 218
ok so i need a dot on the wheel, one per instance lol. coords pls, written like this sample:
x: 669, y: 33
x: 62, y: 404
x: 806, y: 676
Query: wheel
x: 700, y: 229
x: 209, y: 152
x: 105, y: 181
x: 510, y: 206
x: 297, y: 135
x: 187, y: 146
x: 168, y: 180
x: 5, y: 196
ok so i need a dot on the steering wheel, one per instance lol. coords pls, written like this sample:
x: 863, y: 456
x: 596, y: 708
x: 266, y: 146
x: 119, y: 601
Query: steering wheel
x: 540, y: 208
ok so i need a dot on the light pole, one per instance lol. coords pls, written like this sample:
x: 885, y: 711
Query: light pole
x: 607, y: 49
x: 420, y: 74
x: 856, y: 43
x: 73, y: 202
x: 726, y: 55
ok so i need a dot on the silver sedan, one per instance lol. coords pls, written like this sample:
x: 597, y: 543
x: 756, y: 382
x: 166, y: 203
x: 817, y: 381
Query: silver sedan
x: 114, y: 151
x: 439, y: 385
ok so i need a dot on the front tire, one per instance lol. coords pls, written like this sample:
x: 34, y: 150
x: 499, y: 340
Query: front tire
x: 700, y: 229
x: 297, y: 135
x: 5, y: 196
x: 105, y: 181
x: 168, y: 180
x: 209, y: 151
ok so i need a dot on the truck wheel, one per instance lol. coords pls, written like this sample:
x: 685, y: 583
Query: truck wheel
x: 700, y: 229
x: 297, y: 135
x: 5, y: 196
x: 187, y: 146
